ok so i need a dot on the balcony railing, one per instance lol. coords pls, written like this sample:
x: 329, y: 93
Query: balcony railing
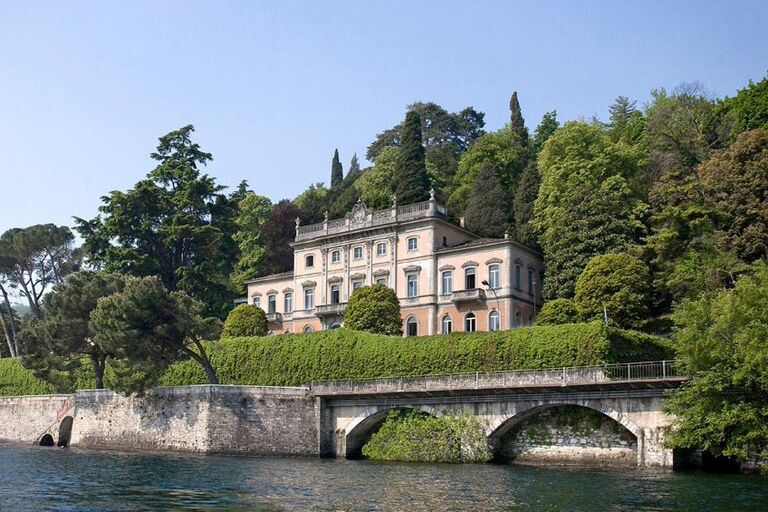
x: 371, y: 218
x: 650, y: 372
x: 471, y: 295
x: 274, y: 317
x: 331, y: 309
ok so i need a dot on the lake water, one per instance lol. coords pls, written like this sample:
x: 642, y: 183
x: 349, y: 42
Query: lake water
x: 37, y: 479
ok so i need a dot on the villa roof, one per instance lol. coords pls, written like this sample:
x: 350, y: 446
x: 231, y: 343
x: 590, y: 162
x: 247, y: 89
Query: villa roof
x: 270, y: 277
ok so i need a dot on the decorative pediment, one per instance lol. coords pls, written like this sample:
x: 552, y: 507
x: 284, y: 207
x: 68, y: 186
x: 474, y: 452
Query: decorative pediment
x: 381, y: 272
x: 358, y: 216
x: 446, y: 267
x: 287, y: 290
x: 272, y: 292
x: 469, y: 263
x: 491, y: 261
x: 256, y: 294
x: 357, y: 276
x: 308, y: 284
x: 412, y: 268
x: 335, y: 279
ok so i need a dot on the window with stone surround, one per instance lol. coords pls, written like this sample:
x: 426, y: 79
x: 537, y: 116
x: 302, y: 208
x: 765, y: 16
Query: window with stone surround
x: 470, y: 322
x: 381, y: 249
x: 413, y: 285
x: 493, y: 276
x: 335, y: 256
x: 493, y: 321
x: 288, y: 302
x: 469, y: 278
x: 309, y: 298
x: 413, y: 243
x: 411, y: 326
x: 447, y: 282
x: 357, y: 253
x: 447, y: 325
x: 309, y: 260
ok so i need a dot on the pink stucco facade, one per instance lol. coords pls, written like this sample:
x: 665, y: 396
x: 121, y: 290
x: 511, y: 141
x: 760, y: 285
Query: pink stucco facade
x: 436, y: 268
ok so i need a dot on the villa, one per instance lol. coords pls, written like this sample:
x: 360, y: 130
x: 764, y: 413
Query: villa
x: 446, y: 278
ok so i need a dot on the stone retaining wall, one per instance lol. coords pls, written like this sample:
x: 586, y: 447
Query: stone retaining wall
x: 24, y: 419
x: 203, y: 419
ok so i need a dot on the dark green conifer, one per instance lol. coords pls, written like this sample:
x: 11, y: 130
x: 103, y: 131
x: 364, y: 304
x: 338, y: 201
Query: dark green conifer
x: 488, y: 207
x: 354, y: 165
x: 337, y: 173
x: 516, y: 120
x: 410, y: 181
x: 525, y: 197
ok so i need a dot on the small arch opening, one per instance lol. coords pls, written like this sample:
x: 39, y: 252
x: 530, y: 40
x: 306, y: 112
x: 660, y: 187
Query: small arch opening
x: 46, y: 440
x: 65, y: 431
x: 362, y: 432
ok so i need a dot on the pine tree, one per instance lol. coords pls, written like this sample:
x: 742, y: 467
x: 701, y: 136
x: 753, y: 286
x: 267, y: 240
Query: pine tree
x: 488, y: 207
x: 410, y: 181
x: 337, y: 173
x: 516, y: 120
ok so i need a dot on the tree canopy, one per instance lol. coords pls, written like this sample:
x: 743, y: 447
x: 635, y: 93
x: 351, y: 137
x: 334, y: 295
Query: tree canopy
x: 245, y: 320
x: 410, y: 181
x: 374, y: 309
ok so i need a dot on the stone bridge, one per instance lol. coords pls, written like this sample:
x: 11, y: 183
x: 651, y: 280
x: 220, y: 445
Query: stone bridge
x: 630, y: 394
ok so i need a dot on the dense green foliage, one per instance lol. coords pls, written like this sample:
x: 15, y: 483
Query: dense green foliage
x: 374, y: 309
x: 617, y: 283
x: 410, y: 181
x: 245, y: 320
x: 294, y: 359
x: 411, y: 436
x: 58, y: 343
x: 176, y: 224
x: 488, y: 207
x: 146, y: 329
x: 277, y: 232
x: 722, y: 343
x: 558, y: 311
x: 254, y: 210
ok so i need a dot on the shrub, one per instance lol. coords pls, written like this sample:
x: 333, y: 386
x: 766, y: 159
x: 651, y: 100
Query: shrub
x: 245, y: 320
x: 412, y: 436
x: 374, y: 309
x: 618, y: 282
x: 556, y: 312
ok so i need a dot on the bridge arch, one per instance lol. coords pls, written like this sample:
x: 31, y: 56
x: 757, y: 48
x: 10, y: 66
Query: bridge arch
x: 360, y: 429
x: 46, y: 440
x: 501, y: 425
x: 65, y: 431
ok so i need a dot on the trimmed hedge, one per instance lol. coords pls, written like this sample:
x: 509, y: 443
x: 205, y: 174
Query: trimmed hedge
x: 294, y: 359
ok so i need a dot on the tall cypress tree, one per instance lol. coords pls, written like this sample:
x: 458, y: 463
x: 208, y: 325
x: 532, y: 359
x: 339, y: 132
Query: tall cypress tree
x: 488, y: 208
x: 337, y: 173
x: 516, y: 120
x: 410, y: 181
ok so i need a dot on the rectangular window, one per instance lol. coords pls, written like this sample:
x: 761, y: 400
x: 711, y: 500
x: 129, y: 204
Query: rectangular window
x: 271, y: 304
x: 493, y: 276
x: 413, y: 285
x: 257, y: 302
x: 517, y: 277
x: 381, y: 280
x: 447, y: 279
x: 309, y: 261
x: 357, y: 253
x: 335, y: 256
x: 358, y: 283
x: 381, y: 249
x: 413, y: 244
x: 288, y: 303
x: 530, y: 281
x: 309, y: 298
x: 469, y: 278
x: 335, y: 295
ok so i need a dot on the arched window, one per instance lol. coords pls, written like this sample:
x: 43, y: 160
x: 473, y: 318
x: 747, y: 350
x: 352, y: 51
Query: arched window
x: 411, y: 326
x: 447, y: 324
x: 307, y: 329
x: 518, y: 319
x: 470, y: 322
x: 335, y: 325
x: 493, y: 321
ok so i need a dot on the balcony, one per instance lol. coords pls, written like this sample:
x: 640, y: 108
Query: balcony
x: 274, y: 318
x: 471, y: 295
x: 330, y: 309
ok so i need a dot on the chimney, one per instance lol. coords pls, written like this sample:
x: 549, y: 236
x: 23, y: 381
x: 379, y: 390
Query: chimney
x: 461, y: 222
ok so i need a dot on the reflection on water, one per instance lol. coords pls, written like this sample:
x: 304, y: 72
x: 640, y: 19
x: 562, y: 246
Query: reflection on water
x: 33, y: 479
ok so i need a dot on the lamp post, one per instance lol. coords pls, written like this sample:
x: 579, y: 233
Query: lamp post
x: 498, y: 305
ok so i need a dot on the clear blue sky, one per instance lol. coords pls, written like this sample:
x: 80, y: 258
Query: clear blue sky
x: 272, y: 88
